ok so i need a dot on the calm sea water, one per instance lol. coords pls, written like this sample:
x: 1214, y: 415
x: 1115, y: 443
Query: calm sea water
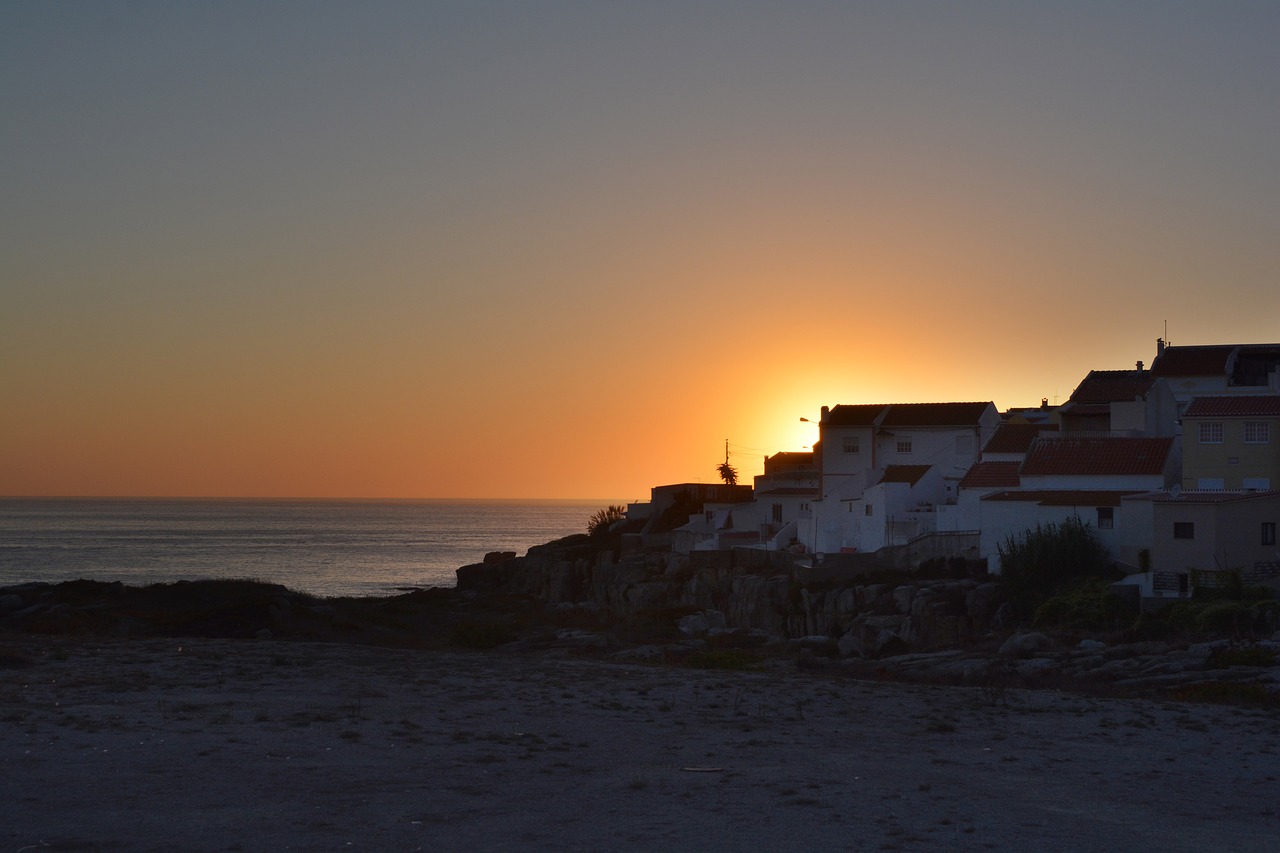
x: 325, y: 548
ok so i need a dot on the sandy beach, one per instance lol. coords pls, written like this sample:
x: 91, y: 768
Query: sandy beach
x: 257, y: 745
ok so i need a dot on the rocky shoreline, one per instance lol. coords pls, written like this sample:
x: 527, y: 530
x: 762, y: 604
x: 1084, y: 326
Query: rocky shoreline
x: 579, y: 598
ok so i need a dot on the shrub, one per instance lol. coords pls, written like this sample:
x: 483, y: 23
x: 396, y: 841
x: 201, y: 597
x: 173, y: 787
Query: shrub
x: 1087, y: 605
x: 602, y: 519
x: 1212, y: 618
x: 1241, y: 655
x: 1048, y: 558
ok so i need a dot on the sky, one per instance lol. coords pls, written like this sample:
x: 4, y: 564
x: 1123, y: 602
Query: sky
x: 569, y: 249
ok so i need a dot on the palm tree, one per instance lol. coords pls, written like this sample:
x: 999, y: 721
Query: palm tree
x: 728, y: 473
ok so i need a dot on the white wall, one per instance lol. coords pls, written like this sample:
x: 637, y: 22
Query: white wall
x: 1002, y: 519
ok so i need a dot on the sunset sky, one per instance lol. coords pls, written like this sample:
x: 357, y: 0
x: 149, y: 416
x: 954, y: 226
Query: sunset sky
x: 566, y: 250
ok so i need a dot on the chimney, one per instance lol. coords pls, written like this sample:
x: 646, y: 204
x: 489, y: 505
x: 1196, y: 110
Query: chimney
x: 1159, y: 347
x: 1044, y: 402
x: 825, y: 411
x: 1139, y: 365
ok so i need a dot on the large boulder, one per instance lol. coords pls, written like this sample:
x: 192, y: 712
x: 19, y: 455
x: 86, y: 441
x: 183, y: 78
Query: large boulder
x: 1028, y: 645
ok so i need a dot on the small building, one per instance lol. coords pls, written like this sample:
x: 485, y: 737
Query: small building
x: 1197, y: 535
x: 1231, y: 443
x: 1120, y: 402
x: 1217, y: 370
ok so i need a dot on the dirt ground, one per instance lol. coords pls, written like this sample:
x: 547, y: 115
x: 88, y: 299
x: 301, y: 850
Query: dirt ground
x: 221, y: 745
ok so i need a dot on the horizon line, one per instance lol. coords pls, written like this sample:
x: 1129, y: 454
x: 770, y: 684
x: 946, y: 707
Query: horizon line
x: 329, y: 499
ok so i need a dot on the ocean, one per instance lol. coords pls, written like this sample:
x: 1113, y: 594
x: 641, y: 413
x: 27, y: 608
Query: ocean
x: 321, y: 547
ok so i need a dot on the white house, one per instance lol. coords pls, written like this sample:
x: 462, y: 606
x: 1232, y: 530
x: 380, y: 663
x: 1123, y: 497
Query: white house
x: 997, y: 470
x: 784, y: 495
x: 884, y: 468
x: 1086, y: 478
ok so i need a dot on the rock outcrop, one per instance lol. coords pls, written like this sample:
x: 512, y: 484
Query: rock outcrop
x: 867, y: 620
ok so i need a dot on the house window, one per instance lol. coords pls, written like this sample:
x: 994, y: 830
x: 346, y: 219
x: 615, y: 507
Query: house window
x: 1106, y: 517
x: 1211, y: 484
x: 1184, y: 530
x: 1211, y: 432
x: 804, y: 507
x: 1257, y: 484
x: 1268, y: 533
x: 777, y: 513
x: 1257, y: 432
x: 850, y: 444
x: 904, y: 445
x: 867, y: 509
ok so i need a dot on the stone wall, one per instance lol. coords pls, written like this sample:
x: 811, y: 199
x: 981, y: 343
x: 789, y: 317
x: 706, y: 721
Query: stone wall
x: 864, y: 619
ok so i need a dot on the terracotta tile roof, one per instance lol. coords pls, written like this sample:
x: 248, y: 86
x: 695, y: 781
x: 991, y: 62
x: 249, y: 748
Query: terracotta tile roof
x: 1193, y: 361
x: 1112, y: 386
x: 1065, y: 497
x: 934, y: 414
x: 1101, y: 456
x: 1016, y: 438
x: 1234, y: 407
x: 992, y: 475
x: 904, y: 473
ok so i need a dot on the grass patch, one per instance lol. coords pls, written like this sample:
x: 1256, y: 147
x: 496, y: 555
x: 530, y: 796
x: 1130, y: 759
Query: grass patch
x: 1247, y: 694
x: 731, y: 659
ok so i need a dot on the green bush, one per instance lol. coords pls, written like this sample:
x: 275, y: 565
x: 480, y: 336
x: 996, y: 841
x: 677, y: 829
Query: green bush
x: 1088, y: 605
x: 1211, y: 619
x: 1241, y: 655
x: 1049, y: 558
x: 1222, y: 618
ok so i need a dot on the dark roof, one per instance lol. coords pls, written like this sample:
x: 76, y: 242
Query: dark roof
x: 784, y: 491
x: 1112, y: 386
x: 1213, y: 497
x: 1103, y: 455
x: 860, y: 415
x: 1065, y: 497
x: 992, y: 475
x: 1015, y: 438
x: 1080, y: 410
x: 934, y: 414
x: 1193, y: 361
x: 904, y: 473
x: 907, y: 414
x: 1227, y: 407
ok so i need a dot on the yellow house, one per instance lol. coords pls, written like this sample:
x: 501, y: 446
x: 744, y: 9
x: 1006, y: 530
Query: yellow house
x: 1231, y: 443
